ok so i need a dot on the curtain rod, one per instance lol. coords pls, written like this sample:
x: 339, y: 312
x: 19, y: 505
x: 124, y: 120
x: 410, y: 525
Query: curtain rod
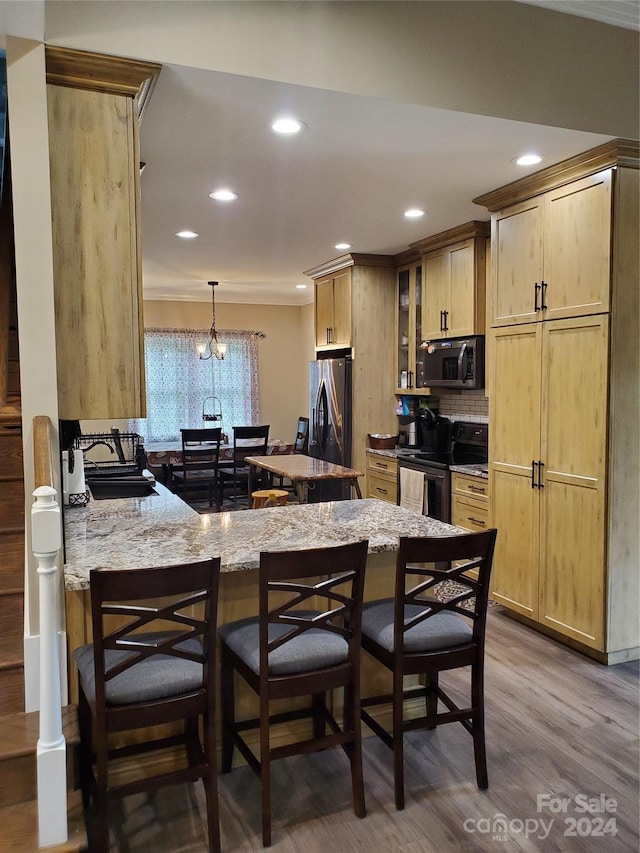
x: 257, y: 334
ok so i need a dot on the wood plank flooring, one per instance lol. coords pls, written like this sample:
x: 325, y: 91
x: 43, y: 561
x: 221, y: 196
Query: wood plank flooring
x: 558, y: 726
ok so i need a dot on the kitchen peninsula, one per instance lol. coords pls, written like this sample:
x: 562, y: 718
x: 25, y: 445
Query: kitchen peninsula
x: 162, y: 530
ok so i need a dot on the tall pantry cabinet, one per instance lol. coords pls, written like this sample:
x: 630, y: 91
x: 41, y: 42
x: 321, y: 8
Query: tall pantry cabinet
x: 564, y: 380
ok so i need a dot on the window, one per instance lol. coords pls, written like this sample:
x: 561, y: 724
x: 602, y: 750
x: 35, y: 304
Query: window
x: 178, y: 382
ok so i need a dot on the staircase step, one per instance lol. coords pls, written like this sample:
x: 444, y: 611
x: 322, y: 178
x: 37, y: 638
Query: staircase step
x: 18, y: 744
x: 11, y: 613
x: 19, y: 828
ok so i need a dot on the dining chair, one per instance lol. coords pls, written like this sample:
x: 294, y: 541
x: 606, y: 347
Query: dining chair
x: 300, y: 445
x: 152, y: 662
x: 200, y: 464
x: 305, y: 641
x: 247, y: 441
x: 416, y: 633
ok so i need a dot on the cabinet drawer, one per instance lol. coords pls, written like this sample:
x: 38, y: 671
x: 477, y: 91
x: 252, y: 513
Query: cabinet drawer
x: 470, y: 513
x: 382, y: 487
x: 466, y: 484
x: 382, y: 464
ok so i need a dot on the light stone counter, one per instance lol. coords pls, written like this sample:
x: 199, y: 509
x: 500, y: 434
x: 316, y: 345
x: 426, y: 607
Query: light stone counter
x: 161, y: 530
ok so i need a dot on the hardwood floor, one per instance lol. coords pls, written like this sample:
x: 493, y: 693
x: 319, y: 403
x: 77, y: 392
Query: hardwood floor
x: 559, y: 726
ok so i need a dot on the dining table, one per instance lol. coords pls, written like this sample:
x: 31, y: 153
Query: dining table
x: 167, y: 454
x: 303, y: 471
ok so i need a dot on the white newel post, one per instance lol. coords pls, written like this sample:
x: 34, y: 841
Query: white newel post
x: 52, y: 753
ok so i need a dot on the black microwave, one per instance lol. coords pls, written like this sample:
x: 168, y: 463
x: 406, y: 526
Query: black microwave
x: 453, y: 363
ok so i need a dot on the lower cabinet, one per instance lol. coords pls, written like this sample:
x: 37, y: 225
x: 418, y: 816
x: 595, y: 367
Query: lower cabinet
x: 470, y: 501
x: 382, y: 477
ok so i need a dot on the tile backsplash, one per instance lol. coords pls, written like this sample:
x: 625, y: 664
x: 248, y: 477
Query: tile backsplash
x: 464, y: 405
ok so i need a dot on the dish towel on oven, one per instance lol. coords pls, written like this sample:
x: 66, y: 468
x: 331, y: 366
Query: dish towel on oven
x: 412, y: 490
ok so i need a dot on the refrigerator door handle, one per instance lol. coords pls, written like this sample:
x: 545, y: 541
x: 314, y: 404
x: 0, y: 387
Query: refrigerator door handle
x: 322, y: 416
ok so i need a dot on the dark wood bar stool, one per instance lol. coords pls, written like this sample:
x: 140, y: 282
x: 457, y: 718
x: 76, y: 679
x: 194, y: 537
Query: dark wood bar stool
x: 415, y: 633
x: 305, y: 642
x: 152, y: 662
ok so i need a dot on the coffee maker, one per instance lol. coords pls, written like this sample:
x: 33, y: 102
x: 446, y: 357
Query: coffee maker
x: 408, y: 433
x: 434, y: 432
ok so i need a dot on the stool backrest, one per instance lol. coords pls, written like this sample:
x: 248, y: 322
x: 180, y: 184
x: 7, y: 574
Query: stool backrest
x: 130, y: 605
x: 250, y: 441
x: 326, y: 582
x: 426, y: 561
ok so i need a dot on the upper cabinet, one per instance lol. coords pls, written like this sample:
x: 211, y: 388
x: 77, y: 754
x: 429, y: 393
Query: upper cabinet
x: 454, y: 281
x: 333, y: 310
x: 408, y: 327
x: 552, y: 254
x: 94, y: 103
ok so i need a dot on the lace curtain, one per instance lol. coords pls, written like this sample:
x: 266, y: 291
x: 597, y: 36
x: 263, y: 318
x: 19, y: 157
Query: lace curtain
x: 178, y: 382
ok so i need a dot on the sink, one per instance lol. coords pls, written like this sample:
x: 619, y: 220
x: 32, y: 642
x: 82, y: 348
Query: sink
x: 123, y: 486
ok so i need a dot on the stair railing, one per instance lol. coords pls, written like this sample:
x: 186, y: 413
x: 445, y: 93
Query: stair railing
x: 46, y: 543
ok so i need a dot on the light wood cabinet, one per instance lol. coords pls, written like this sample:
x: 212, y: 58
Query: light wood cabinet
x: 454, y: 282
x: 552, y: 254
x: 333, y: 310
x: 382, y: 477
x: 408, y: 370
x: 371, y: 335
x: 469, y: 501
x: 548, y: 473
x: 93, y: 109
x: 564, y: 474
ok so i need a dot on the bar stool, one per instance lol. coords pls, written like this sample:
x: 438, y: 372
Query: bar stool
x: 260, y: 497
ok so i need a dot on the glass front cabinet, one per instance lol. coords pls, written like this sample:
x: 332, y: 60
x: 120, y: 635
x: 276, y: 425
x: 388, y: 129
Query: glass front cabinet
x: 408, y: 328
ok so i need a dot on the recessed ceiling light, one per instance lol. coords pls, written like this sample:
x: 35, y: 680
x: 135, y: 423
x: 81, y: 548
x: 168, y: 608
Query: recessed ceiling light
x: 223, y: 195
x: 286, y: 125
x: 301, y: 286
x: 342, y: 246
x: 528, y: 159
x: 414, y: 213
x: 187, y: 235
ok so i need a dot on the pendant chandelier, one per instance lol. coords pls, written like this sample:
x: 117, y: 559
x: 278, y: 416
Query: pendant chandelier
x: 214, y: 348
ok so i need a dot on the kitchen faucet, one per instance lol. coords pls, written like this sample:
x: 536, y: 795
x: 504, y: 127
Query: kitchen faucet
x: 95, y: 444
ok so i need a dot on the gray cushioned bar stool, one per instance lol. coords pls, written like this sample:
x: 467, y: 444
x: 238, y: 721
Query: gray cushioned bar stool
x: 151, y: 663
x: 416, y: 633
x: 304, y: 642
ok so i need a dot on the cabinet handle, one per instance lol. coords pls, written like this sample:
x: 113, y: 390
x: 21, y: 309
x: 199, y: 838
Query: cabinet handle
x: 476, y: 520
x: 383, y: 491
x: 480, y: 489
x: 445, y: 314
x: 536, y: 289
x: 381, y: 465
x: 441, y: 326
x: 533, y: 474
x: 543, y: 304
x: 329, y: 335
x: 410, y: 379
x: 540, y: 467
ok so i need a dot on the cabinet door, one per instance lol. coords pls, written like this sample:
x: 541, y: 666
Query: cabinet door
x: 408, y: 328
x: 573, y: 449
x: 341, y: 324
x: 94, y: 168
x: 577, y: 251
x: 324, y: 309
x: 516, y: 253
x: 435, y: 294
x: 460, y: 305
x: 514, y: 437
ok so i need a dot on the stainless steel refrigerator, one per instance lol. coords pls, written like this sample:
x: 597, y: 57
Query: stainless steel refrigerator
x: 330, y: 418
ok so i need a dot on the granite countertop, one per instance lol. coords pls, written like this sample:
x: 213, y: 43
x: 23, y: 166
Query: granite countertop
x: 161, y: 530
x: 478, y: 470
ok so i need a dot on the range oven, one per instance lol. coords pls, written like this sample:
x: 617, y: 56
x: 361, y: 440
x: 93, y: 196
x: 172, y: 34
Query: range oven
x: 469, y: 446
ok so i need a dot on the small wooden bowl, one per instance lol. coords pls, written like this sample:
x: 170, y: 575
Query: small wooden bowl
x: 382, y: 442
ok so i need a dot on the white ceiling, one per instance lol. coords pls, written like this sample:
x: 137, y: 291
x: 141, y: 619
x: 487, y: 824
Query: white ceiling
x: 348, y: 176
